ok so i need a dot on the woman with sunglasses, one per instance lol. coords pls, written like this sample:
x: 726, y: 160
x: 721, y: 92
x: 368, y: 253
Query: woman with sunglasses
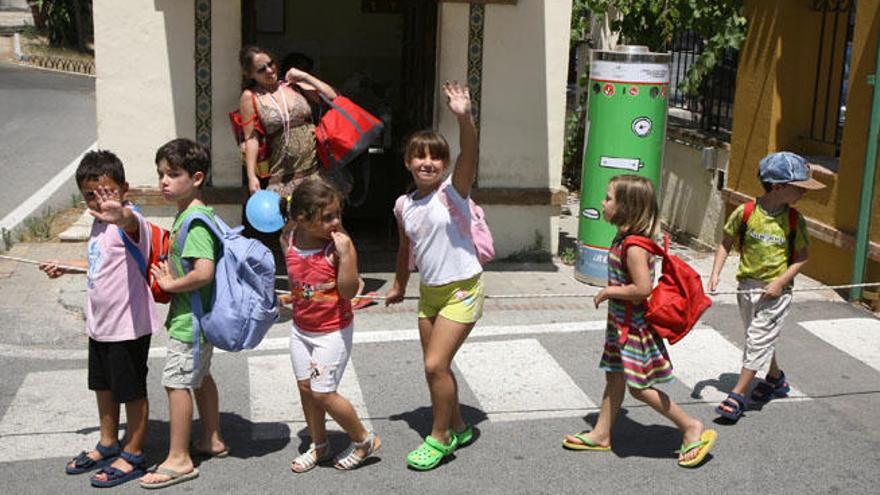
x: 286, y: 107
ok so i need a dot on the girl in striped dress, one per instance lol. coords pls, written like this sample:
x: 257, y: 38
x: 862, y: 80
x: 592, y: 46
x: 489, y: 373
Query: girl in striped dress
x: 635, y: 357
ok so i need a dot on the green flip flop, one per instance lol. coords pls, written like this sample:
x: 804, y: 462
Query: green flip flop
x: 430, y: 453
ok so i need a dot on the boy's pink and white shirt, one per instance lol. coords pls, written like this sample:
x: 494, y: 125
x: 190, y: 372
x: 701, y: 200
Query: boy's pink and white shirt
x: 119, y: 305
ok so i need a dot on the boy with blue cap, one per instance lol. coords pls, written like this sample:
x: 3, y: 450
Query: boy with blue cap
x: 772, y: 239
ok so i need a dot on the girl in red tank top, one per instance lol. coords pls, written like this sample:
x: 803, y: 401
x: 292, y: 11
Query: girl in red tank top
x: 323, y: 275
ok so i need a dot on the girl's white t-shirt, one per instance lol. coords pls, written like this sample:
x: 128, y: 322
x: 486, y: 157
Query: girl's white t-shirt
x: 443, y: 253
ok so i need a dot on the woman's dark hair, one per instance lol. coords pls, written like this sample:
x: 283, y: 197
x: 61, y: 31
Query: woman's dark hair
x: 186, y: 154
x: 310, y: 197
x: 246, y: 60
x: 297, y: 60
x: 97, y: 163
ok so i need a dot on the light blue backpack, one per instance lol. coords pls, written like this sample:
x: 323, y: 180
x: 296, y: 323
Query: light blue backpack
x: 243, y: 305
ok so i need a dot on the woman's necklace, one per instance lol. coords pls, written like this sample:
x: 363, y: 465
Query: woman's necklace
x: 285, y: 119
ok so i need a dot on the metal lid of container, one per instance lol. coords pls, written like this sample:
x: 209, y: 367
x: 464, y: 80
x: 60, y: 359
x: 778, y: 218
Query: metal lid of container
x: 631, y: 53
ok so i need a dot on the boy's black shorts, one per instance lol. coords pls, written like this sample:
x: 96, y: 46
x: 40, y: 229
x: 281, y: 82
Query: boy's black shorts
x: 120, y: 367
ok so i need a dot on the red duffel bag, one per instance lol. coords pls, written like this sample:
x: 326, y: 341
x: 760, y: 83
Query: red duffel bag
x: 344, y: 132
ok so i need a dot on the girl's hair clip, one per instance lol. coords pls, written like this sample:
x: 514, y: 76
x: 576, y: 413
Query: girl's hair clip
x: 285, y: 207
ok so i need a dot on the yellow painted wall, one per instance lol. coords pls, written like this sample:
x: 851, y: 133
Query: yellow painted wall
x: 774, y: 110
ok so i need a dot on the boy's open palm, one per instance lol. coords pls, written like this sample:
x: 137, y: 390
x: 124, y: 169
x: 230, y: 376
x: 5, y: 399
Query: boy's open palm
x: 109, y: 205
x: 458, y: 98
x: 162, y: 273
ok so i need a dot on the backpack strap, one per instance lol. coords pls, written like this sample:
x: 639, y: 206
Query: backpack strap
x: 398, y: 208
x: 132, y: 249
x: 651, y: 247
x: 196, y: 296
x: 748, y: 209
x: 398, y: 214
x: 646, y: 244
x: 793, y: 218
x: 134, y: 252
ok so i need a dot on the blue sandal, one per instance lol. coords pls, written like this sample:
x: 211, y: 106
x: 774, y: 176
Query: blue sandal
x: 116, y: 476
x: 736, y: 403
x: 769, y: 388
x: 83, y: 463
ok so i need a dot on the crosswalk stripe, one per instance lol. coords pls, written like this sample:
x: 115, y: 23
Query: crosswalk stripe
x: 858, y: 337
x: 363, y: 336
x: 519, y: 380
x: 709, y: 364
x: 276, y: 409
x: 52, y: 415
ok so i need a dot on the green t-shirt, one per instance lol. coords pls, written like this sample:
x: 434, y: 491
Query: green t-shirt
x: 765, y: 254
x: 200, y: 243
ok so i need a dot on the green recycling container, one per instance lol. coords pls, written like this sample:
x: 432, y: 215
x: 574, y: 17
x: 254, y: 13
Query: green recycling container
x: 625, y: 134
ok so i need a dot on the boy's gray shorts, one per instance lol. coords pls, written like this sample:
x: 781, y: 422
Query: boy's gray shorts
x: 179, y: 372
x: 763, y: 319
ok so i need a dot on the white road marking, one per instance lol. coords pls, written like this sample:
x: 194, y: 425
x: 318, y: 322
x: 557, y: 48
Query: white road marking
x: 53, y: 414
x: 276, y: 410
x: 33, y: 203
x: 858, y: 337
x: 519, y: 380
x: 360, y: 337
x: 709, y: 364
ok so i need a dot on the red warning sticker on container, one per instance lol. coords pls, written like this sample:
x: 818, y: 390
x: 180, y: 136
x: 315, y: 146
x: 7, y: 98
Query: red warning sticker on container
x: 633, y: 90
x: 663, y: 90
x: 608, y: 89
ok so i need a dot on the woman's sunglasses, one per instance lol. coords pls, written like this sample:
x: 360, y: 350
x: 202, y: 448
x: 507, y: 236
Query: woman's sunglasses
x: 263, y: 68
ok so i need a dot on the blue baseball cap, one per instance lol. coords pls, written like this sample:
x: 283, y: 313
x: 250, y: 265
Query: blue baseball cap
x: 784, y: 167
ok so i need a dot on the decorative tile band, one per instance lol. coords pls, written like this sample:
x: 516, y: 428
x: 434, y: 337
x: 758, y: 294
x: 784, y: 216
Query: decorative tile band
x: 203, y: 71
x: 475, y: 58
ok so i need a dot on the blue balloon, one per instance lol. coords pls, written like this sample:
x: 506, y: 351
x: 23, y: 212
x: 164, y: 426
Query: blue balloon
x: 263, y: 211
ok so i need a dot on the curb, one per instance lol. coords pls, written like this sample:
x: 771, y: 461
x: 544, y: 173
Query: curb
x: 54, y: 194
x: 86, y: 67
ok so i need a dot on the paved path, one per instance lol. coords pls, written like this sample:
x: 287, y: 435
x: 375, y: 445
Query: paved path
x: 48, y: 120
x: 523, y: 383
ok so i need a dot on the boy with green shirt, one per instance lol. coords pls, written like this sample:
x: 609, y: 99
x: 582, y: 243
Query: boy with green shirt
x: 183, y: 167
x: 769, y: 261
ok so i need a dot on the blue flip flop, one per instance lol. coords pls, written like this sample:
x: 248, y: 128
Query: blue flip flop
x: 117, y: 476
x: 83, y: 463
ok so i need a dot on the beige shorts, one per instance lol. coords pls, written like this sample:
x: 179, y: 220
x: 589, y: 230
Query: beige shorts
x: 179, y: 372
x: 763, y: 319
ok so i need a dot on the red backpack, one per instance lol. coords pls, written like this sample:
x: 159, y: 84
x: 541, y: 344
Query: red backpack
x: 158, y: 252
x: 263, y: 151
x: 677, y: 302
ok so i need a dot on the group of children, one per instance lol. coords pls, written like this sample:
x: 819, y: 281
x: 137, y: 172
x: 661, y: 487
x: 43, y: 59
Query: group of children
x: 322, y: 269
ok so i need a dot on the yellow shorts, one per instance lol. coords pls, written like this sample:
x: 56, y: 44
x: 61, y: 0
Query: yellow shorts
x: 460, y: 301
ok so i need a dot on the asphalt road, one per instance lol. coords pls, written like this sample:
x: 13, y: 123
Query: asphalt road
x: 522, y: 384
x: 46, y: 120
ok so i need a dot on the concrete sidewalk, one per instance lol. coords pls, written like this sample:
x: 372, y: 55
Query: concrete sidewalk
x: 48, y: 314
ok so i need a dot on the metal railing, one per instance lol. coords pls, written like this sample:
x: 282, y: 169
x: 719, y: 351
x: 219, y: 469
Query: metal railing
x: 711, y: 108
x: 832, y: 71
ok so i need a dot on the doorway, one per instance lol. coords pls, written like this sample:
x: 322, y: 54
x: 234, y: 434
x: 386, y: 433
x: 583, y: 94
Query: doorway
x: 382, y: 55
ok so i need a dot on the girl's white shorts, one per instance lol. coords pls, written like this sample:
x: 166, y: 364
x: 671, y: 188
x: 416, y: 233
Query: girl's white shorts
x: 320, y: 357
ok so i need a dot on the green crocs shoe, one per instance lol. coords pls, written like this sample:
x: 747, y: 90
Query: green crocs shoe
x: 464, y: 437
x: 430, y: 453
